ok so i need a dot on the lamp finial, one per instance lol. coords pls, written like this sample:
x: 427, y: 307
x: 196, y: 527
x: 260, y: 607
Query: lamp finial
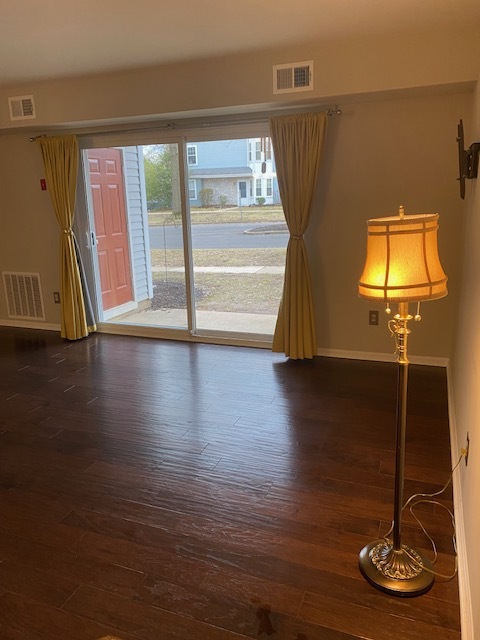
x: 401, y: 211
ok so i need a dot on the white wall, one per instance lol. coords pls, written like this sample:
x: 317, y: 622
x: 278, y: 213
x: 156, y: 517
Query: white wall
x: 465, y: 369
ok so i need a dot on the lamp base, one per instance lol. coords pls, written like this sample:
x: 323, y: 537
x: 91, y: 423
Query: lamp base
x: 394, y: 571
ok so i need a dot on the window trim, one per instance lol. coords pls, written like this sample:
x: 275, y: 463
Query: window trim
x: 195, y: 153
x: 194, y: 182
x: 269, y: 187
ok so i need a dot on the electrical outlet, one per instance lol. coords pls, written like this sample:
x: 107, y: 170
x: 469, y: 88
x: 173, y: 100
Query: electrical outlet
x: 373, y: 317
x: 56, y: 297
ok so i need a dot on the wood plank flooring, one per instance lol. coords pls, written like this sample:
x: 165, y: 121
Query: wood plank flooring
x: 159, y: 490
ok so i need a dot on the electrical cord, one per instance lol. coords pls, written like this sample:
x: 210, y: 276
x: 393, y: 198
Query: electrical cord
x: 419, y: 498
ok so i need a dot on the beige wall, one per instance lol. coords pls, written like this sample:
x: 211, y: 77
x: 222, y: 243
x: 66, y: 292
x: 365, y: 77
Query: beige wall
x: 385, y: 150
x: 466, y: 379
x: 29, y: 232
x: 342, y: 68
x: 379, y: 155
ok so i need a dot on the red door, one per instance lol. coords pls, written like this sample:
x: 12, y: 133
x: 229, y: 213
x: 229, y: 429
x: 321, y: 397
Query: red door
x: 108, y: 196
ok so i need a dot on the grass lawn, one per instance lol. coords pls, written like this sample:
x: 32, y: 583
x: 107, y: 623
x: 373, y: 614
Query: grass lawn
x: 244, y: 293
x: 220, y: 257
x: 234, y: 293
x: 265, y: 213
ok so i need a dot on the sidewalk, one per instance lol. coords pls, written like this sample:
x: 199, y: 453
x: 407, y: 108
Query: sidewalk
x: 266, y: 270
x: 222, y: 321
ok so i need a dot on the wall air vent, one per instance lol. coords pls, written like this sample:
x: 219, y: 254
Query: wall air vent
x: 23, y: 292
x: 22, y: 108
x: 293, y: 77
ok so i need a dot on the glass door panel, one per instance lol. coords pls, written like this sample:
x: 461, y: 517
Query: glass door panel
x: 165, y: 222
x: 136, y: 213
x: 239, y: 235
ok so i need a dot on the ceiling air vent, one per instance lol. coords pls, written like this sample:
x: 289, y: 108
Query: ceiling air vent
x: 292, y: 77
x: 22, y: 108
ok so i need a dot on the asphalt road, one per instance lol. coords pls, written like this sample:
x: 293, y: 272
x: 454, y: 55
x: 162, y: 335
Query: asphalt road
x: 217, y: 236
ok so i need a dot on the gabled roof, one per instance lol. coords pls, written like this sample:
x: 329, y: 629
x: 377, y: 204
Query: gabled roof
x: 221, y: 172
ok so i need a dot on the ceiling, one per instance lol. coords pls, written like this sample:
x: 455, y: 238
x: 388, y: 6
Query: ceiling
x: 59, y: 38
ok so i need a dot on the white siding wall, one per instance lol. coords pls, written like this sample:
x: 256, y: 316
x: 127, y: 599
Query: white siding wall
x: 138, y: 223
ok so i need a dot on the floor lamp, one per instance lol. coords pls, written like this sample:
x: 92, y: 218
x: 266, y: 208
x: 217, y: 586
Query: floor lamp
x: 402, y: 266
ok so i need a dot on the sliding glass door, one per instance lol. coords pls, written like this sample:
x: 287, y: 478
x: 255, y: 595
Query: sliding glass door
x: 187, y: 235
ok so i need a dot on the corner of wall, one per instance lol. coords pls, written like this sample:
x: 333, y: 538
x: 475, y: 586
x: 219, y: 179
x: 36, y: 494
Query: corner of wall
x: 466, y: 612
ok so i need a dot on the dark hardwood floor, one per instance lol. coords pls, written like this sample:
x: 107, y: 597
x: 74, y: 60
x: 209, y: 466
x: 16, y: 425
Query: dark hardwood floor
x: 161, y: 490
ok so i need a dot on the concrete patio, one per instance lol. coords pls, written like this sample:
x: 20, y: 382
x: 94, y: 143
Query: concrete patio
x: 222, y: 321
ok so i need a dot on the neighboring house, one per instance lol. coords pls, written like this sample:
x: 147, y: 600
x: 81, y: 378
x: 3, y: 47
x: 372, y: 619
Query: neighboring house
x: 232, y: 170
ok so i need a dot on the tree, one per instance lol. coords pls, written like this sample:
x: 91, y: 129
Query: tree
x: 158, y: 162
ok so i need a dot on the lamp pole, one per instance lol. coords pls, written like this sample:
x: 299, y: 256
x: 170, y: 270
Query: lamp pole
x: 388, y: 564
x: 399, y: 330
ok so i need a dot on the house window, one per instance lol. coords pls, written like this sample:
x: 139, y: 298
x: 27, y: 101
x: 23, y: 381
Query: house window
x: 258, y: 150
x: 192, y: 154
x: 268, y: 149
x: 269, y: 187
x: 192, y: 189
x: 258, y: 187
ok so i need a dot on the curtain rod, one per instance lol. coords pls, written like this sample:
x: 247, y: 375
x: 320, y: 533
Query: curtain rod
x: 42, y: 135
x: 172, y: 126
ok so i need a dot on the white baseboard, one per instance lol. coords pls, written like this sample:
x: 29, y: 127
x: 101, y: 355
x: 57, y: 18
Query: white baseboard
x: 466, y: 614
x: 381, y: 357
x: 145, y: 331
x: 21, y: 324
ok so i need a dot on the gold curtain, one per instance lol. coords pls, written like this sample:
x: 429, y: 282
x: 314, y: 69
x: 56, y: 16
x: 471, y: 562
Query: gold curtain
x: 297, y: 142
x: 60, y: 157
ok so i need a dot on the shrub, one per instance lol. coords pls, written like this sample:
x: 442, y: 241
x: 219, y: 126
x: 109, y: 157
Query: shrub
x: 206, y: 197
x: 222, y: 201
x: 260, y: 201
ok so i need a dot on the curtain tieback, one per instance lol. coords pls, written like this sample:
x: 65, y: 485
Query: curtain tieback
x: 296, y: 237
x: 68, y: 232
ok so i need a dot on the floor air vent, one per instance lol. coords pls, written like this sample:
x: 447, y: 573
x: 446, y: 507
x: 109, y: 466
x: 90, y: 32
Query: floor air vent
x: 24, y: 295
x: 22, y: 108
x: 292, y: 77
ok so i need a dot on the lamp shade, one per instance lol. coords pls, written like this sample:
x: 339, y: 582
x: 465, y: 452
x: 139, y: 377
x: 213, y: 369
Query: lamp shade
x: 402, y: 263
